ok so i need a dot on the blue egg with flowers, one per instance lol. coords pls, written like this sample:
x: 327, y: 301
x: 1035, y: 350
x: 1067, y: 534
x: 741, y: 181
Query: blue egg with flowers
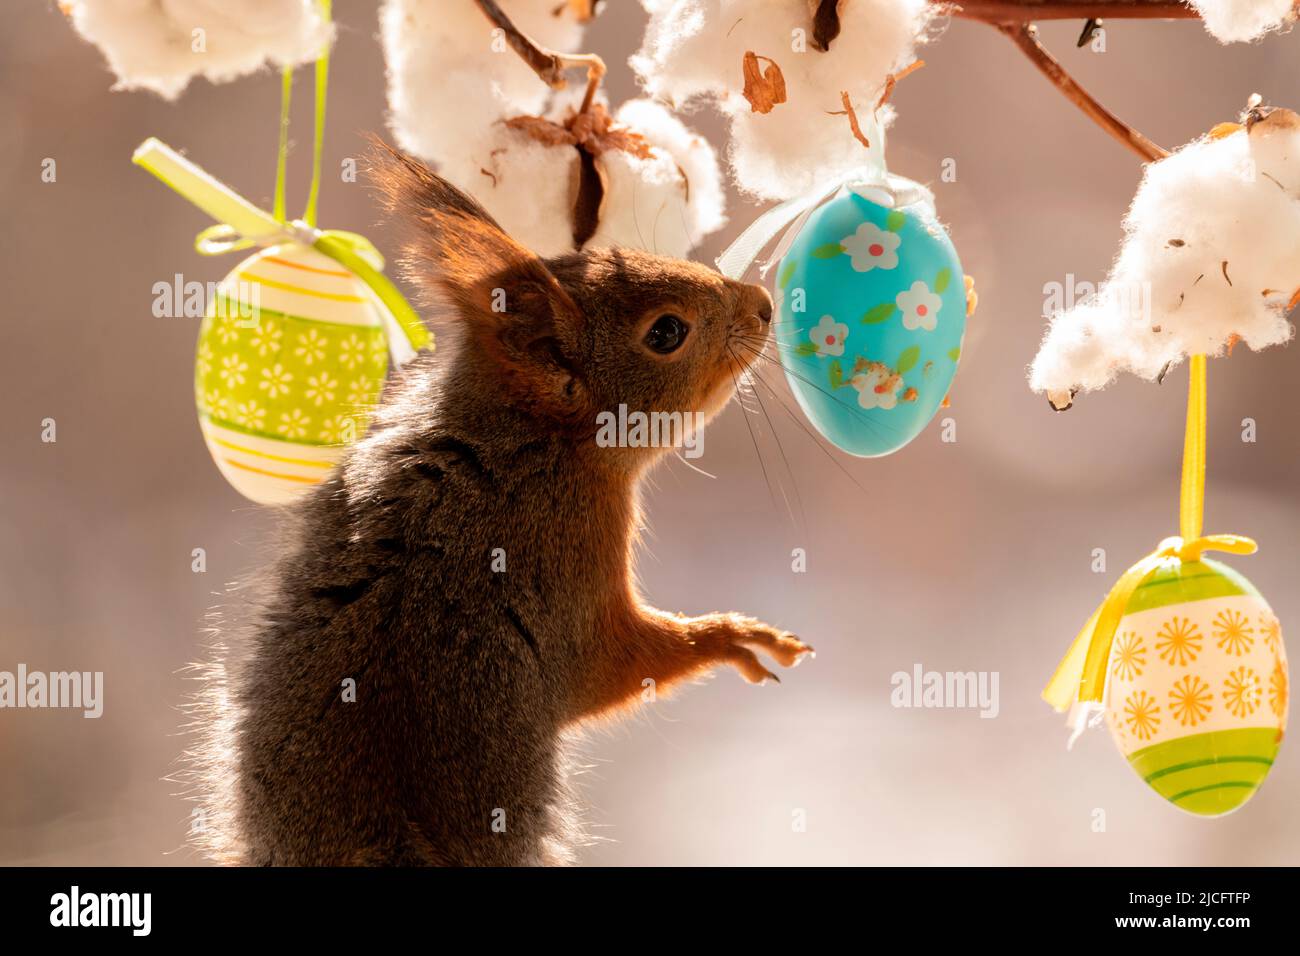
x: 871, y: 313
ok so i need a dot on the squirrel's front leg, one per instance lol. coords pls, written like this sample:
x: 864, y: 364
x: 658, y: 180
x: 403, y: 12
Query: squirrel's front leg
x: 648, y: 644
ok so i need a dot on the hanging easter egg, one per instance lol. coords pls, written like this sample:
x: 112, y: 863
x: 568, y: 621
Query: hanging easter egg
x: 871, y: 315
x: 291, y: 358
x: 1196, y: 694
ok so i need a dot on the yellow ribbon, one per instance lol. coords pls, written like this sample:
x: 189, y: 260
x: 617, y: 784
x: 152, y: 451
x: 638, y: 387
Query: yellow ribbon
x: 242, y: 225
x: 1081, y: 675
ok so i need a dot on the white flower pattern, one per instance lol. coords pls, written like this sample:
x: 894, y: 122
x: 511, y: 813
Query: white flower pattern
x: 872, y: 248
x: 267, y: 338
x: 232, y: 370
x: 877, y: 386
x: 320, y: 388
x: 351, y: 351
x: 204, y: 363
x: 294, y: 424
x: 275, y: 381
x: 920, y: 307
x: 828, y: 336
x: 311, y: 347
x: 225, y: 328
x: 361, y: 391
x: 250, y: 414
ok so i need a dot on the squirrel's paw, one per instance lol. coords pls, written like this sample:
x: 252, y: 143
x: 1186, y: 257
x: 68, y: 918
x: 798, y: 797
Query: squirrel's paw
x: 782, y: 646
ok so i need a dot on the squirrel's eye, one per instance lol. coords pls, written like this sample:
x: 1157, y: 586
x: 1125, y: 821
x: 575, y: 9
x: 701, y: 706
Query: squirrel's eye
x: 667, y: 334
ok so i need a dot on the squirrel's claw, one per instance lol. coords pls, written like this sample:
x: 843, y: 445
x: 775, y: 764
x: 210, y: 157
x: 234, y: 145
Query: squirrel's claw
x: 733, y: 640
x: 782, y: 646
x: 750, y: 667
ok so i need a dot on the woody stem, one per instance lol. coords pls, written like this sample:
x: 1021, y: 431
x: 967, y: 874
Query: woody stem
x: 1010, y: 11
x: 1014, y: 19
x: 547, y: 64
x: 1025, y: 36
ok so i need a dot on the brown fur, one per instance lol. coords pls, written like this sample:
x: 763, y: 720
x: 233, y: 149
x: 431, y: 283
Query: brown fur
x: 468, y: 679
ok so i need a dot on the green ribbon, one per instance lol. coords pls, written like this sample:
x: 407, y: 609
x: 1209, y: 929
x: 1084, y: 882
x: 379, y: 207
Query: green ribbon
x: 241, y: 224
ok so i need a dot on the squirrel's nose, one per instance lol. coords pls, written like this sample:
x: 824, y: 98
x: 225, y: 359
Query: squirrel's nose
x: 757, y: 302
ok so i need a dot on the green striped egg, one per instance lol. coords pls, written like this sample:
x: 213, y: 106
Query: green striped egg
x: 292, y: 356
x: 1197, y: 686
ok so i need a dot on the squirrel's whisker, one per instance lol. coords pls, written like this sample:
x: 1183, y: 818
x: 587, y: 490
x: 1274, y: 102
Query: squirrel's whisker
x: 801, y: 520
x: 863, y: 418
x: 757, y: 451
x: 816, y: 438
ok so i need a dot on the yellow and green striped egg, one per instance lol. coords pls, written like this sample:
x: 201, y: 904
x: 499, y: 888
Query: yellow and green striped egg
x: 1197, y: 686
x: 292, y: 356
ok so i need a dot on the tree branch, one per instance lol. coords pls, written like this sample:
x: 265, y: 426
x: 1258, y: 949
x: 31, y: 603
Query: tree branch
x: 1025, y: 36
x: 1016, y: 11
x: 1010, y: 17
x: 547, y: 64
x: 1013, y: 19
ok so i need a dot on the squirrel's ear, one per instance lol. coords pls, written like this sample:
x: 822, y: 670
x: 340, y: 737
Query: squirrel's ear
x: 457, y: 253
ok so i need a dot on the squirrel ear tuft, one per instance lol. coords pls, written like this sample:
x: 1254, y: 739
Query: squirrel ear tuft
x: 455, y: 251
x: 453, y: 247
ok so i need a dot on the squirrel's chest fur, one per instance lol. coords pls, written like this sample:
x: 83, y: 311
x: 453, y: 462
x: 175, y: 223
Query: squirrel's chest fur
x: 401, y: 699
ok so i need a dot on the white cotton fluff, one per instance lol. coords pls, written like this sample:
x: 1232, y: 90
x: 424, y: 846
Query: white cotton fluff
x: 1169, y: 295
x: 450, y: 89
x: 694, y: 49
x: 665, y: 204
x: 158, y: 46
x: 450, y: 75
x: 1242, y: 21
x: 528, y: 187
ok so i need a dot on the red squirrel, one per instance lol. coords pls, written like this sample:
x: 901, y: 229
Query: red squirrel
x: 460, y: 592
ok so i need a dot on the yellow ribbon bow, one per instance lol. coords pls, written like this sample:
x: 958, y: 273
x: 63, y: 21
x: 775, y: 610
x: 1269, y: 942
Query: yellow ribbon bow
x: 1081, y: 675
x: 240, y: 224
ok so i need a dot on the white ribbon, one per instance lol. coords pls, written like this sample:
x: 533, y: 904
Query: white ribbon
x: 873, y: 183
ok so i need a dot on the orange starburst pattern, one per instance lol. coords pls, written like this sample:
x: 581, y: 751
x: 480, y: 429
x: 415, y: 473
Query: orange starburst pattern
x: 1189, y: 700
x: 1270, y: 629
x: 1142, y: 714
x: 1179, y: 641
x: 1277, y: 689
x: 1233, y: 633
x: 1130, y: 656
x: 1242, y: 691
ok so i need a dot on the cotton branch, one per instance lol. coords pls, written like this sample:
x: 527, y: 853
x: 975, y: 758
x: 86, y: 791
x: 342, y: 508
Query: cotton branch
x: 1012, y: 19
x: 1025, y: 36
x: 1023, y: 11
x: 547, y: 64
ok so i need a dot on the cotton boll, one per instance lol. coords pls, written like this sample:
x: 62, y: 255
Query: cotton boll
x: 1238, y: 21
x: 1211, y: 254
x: 665, y: 203
x: 697, y: 47
x: 1275, y: 148
x: 660, y: 185
x: 158, y: 46
x: 686, y: 51
x: 1080, y: 352
x: 771, y: 158
x: 449, y: 74
x: 528, y: 187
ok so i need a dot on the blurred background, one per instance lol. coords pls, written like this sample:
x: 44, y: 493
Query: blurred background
x: 971, y: 555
